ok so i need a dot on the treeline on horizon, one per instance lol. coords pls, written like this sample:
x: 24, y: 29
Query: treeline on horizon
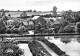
x: 1, y: 10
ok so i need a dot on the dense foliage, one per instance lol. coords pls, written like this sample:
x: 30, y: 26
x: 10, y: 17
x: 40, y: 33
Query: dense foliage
x: 9, y: 49
x: 37, y: 49
x: 71, y: 16
x: 67, y: 29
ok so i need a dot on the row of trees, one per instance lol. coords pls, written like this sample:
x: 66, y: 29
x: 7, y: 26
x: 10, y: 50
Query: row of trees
x: 67, y: 17
x: 71, y: 16
x: 18, y: 10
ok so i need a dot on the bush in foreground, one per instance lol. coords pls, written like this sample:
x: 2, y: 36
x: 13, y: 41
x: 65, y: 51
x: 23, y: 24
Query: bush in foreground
x: 10, y: 49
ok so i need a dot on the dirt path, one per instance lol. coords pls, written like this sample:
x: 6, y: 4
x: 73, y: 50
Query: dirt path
x: 47, y: 48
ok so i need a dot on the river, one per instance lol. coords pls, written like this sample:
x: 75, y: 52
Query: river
x: 72, y: 48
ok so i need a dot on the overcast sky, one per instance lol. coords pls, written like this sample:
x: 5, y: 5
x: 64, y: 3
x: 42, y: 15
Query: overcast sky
x: 40, y: 5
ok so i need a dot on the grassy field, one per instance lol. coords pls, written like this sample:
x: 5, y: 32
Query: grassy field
x: 17, y: 14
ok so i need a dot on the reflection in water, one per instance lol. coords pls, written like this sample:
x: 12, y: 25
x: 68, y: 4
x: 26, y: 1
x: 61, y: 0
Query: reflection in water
x: 26, y: 49
x: 72, y: 48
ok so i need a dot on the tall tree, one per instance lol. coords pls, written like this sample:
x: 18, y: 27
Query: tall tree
x: 69, y: 16
x: 23, y: 15
x: 54, y: 11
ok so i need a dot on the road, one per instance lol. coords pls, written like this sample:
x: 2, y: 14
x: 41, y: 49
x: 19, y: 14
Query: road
x: 47, y: 48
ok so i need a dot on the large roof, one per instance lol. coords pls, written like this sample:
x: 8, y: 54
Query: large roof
x: 35, y: 17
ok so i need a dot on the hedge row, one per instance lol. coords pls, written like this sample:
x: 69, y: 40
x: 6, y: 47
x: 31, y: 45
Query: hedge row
x: 37, y: 49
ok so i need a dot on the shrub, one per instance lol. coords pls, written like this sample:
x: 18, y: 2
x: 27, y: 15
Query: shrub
x: 10, y: 49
